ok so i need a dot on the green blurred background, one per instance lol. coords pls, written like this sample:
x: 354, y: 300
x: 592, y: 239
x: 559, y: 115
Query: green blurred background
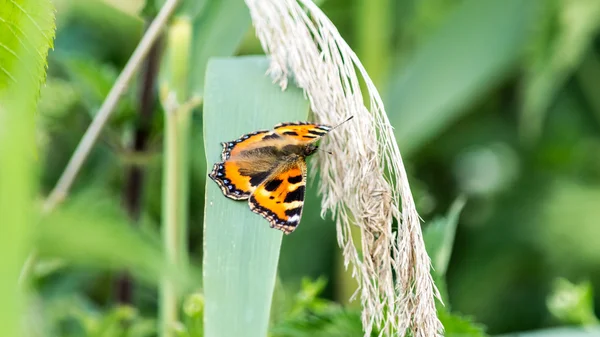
x: 496, y: 101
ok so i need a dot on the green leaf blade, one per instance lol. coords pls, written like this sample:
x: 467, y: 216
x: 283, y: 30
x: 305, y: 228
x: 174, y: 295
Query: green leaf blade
x: 241, y: 251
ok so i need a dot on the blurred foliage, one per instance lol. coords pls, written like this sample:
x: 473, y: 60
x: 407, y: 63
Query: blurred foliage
x: 572, y: 303
x: 493, y: 101
x: 439, y: 240
x: 91, y: 222
x: 305, y: 314
x: 74, y: 317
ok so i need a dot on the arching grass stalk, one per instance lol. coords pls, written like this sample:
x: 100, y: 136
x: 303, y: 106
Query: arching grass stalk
x: 365, y: 183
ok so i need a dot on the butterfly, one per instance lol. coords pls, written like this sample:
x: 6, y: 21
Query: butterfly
x: 268, y: 168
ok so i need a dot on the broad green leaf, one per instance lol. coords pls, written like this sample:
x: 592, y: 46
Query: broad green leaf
x: 471, y: 51
x: 240, y: 250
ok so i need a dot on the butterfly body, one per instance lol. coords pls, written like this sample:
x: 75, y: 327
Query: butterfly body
x: 268, y: 168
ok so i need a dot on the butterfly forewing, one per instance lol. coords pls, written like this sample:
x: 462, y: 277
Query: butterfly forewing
x: 238, y: 177
x: 302, y: 132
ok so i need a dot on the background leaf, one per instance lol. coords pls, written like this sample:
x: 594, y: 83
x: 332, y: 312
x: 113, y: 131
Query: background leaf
x: 217, y: 32
x: 102, y: 237
x: 464, y: 57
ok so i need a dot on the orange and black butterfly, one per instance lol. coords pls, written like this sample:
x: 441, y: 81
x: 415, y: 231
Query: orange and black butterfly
x: 268, y: 168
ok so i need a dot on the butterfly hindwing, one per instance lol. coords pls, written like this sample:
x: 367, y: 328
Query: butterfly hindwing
x: 232, y: 183
x: 302, y: 131
x: 280, y: 198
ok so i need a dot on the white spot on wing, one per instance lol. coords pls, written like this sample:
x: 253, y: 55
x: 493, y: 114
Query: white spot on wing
x: 292, y: 187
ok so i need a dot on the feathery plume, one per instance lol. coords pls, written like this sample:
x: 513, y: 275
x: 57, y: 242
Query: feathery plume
x: 364, y: 183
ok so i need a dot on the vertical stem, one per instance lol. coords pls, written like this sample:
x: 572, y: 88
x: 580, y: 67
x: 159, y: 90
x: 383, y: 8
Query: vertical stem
x: 175, y: 206
x: 175, y: 165
x: 373, y: 36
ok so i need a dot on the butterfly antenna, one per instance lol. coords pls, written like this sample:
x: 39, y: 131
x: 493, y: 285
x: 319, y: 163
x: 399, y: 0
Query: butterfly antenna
x: 333, y: 128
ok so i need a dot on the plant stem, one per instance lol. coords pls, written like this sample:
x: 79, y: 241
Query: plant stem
x: 175, y: 165
x: 84, y: 147
x: 373, y: 36
x: 175, y: 197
